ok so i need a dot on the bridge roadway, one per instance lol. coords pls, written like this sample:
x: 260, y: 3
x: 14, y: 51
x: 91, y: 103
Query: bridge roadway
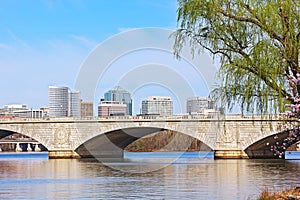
x: 229, y: 136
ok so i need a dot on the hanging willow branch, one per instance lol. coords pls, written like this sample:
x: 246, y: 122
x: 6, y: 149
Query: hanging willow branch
x: 257, y: 42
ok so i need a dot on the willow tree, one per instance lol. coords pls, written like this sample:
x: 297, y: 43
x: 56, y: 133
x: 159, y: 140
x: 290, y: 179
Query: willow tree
x: 256, y: 43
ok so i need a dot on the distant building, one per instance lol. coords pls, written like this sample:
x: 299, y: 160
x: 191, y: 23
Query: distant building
x: 8, y: 110
x: 74, y: 104
x: 13, y: 107
x: 87, y: 109
x: 32, y: 113
x: 58, y: 101
x: 45, y: 111
x: 21, y: 111
x: 111, y: 108
x: 157, y: 105
x: 2, y: 111
x: 198, y: 104
x: 121, y: 95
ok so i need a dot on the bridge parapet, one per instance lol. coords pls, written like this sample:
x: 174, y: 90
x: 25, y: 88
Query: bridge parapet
x: 146, y: 117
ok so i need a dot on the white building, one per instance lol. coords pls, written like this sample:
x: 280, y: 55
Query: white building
x: 13, y: 107
x: 33, y: 113
x: 58, y: 101
x: 199, y: 104
x: 74, y: 104
x: 157, y: 105
x: 111, y: 108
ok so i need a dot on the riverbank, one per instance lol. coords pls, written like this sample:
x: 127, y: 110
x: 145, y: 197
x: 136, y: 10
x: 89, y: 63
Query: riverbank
x: 290, y: 194
x: 167, y: 141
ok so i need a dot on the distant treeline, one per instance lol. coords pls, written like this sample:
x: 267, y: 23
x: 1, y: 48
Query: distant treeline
x: 167, y: 141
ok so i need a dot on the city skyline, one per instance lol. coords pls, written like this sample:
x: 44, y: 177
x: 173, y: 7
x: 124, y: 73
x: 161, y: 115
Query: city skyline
x: 68, y: 99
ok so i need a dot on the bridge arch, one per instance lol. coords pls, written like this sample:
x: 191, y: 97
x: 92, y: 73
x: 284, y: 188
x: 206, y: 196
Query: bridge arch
x: 119, y: 139
x: 262, y: 147
x: 5, y: 133
x: 194, y: 129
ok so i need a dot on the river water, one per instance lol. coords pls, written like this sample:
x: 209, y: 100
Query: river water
x: 143, y: 176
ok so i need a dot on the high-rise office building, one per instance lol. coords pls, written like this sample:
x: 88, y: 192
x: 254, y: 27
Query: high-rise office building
x: 121, y: 95
x: 74, y: 104
x: 87, y: 109
x: 58, y: 101
x: 198, y: 104
x: 157, y: 105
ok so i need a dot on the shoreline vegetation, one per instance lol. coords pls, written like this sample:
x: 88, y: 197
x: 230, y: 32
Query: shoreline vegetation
x: 167, y: 141
x: 289, y: 194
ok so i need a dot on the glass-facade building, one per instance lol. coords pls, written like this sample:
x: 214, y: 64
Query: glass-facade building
x: 120, y: 95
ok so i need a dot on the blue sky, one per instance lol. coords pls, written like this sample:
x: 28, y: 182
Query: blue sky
x: 45, y: 42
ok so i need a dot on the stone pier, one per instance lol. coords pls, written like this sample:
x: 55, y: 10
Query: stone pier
x: 230, y: 154
x: 61, y: 154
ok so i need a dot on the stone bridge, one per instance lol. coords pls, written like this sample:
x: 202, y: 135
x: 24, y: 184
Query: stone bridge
x: 229, y: 136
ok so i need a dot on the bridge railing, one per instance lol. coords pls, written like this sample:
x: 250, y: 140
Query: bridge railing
x: 150, y: 117
x: 153, y: 117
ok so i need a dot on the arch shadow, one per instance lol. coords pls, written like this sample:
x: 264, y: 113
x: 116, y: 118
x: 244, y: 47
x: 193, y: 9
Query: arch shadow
x: 263, y: 147
x: 113, y: 143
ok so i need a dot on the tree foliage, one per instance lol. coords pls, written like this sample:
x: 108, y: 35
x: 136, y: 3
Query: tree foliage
x: 257, y: 43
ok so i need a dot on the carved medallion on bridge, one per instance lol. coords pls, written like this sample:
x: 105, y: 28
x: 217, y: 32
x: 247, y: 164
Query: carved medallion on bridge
x: 228, y: 134
x: 61, y: 137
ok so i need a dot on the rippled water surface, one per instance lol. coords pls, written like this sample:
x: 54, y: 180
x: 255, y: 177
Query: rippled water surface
x: 144, y: 176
